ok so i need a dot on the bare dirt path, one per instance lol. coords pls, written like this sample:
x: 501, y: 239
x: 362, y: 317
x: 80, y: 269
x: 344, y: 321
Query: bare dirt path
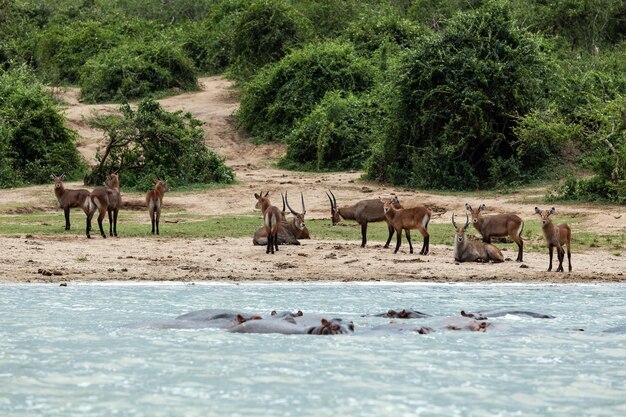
x: 237, y: 259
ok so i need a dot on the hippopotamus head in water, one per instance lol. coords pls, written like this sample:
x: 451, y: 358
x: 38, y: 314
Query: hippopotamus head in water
x: 471, y: 325
x: 284, y: 314
x: 475, y: 316
x: 333, y: 326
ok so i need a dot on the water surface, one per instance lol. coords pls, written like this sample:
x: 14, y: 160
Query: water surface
x: 66, y: 351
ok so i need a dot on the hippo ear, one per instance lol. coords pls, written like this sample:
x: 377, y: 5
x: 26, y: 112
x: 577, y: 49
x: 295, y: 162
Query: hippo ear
x: 299, y: 313
x: 240, y: 319
x: 324, y: 322
x: 273, y: 313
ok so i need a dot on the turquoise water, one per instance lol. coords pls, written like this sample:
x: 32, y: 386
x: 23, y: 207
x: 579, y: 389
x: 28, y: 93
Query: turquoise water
x: 67, y: 351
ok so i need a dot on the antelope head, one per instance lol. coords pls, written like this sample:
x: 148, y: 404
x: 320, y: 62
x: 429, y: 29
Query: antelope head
x: 58, y: 181
x: 475, y: 212
x: 299, y: 217
x: 460, y: 231
x: 112, y: 180
x: 335, y: 217
x: 545, y: 215
x: 388, y: 204
x: 161, y: 185
x: 261, y: 199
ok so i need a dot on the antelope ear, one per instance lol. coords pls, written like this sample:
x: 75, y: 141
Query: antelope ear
x: 482, y: 207
x: 258, y: 197
x: 552, y: 210
x: 52, y: 176
x: 468, y: 207
x: 537, y: 210
x: 62, y: 176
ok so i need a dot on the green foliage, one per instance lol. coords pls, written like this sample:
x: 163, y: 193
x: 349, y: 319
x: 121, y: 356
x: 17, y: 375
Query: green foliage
x: 135, y: 70
x: 336, y: 135
x: 435, y: 13
x: 283, y: 93
x: 34, y: 141
x: 369, y: 34
x: 264, y: 32
x: 460, y: 94
x: 151, y: 142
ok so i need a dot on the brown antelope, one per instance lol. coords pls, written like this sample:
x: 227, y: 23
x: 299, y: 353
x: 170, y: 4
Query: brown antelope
x: 407, y: 219
x: 473, y: 251
x: 154, y: 201
x: 68, y: 198
x: 271, y: 219
x: 99, y: 198
x: 363, y: 212
x: 289, y: 232
x: 497, y: 225
x: 115, y: 201
x: 557, y: 236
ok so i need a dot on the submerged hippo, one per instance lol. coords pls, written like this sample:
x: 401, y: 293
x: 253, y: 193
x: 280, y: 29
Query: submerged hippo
x: 403, y: 314
x: 217, y: 318
x: 617, y: 329
x: 483, y: 315
x: 289, y: 325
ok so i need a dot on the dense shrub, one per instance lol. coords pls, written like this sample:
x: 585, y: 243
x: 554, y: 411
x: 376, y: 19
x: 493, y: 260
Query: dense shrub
x: 151, y: 142
x: 135, y: 70
x: 370, y: 34
x: 336, y: 135
x: 264, y: 32
x: 283, y: 93
x: 34, y: 141
x: 460, y: 94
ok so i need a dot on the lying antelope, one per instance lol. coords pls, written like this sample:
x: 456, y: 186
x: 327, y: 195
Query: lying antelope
x: 557, y: 236
x: 271, y: 220
x: 68, y: 198
x: 154, y: 201
x: 290, y: 231
x: 497, y: 225
x: 115, y: 201
x: 363, y: 212
x: 473, y: 251
x: 407, y: 219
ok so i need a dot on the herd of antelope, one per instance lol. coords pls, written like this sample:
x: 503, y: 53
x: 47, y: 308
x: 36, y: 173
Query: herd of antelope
x: 277, y: 230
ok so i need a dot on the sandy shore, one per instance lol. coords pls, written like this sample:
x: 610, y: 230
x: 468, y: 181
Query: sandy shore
x: 76, y: 259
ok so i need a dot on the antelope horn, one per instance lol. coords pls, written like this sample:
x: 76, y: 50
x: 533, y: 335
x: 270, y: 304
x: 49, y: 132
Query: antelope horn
x: 267, y: 193
x: 283, y: 197
x: 303, y: 208
x: 453, y: 222
x: 288, y: 206
x: 332, y: 206
x: 466, y: 222
x: 334, y: 198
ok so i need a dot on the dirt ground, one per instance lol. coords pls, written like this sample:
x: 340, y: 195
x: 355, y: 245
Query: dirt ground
x: 39, y: 258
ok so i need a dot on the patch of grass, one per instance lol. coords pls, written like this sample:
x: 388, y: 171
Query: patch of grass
x: 184, y: 225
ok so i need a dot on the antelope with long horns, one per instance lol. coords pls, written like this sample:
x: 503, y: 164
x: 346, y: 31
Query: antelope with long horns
x: 473, y: 251
x: 297, y: 224
x: 68, y: 198
x: 154, y: 201
x: 557, y: 236
x: 363, y: 212
x: 271, y: 220
x: 416, y: 217
x: 498, y: 225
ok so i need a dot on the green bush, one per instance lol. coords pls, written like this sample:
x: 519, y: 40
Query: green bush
x: 461, y: 93
x: 287, y: 91
x: 336, y: 135
x: 136, y: 70
x: 34, y: 141
x: 151, y: 142
x: 370, y: 34
x: 263, y: 33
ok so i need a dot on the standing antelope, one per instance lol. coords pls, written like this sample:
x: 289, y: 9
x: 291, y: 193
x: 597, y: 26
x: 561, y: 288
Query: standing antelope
x: 363, y: 212
x: 557, y: 236
x: 154, y: 201
x: 473, y: 251
x: 271, y: 220
x: 498, y: 225
x: 289, y: 232
x: 99, y: 199
x: 115, y: 201
x: 68, y: 198
x: 407, y: 219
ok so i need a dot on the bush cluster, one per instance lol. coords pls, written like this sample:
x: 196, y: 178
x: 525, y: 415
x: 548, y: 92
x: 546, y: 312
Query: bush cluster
x: 150, y: 142
x: 284, y: 93
x: 34, y: 141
